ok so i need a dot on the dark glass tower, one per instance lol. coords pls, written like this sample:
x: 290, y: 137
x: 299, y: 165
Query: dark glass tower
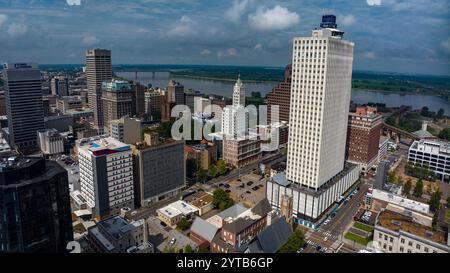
x: 35, y: 211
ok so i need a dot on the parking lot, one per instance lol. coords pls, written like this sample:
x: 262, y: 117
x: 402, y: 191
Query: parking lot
x: 162, y: 236
x: 249, y: 189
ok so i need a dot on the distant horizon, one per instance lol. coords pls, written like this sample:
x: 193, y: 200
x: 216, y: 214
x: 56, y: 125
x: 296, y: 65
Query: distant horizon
x: 255, y: 66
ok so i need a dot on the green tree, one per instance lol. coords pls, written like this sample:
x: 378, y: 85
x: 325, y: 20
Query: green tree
x: 168, y: 249
x: 221, y: 166
x: 435, y: 200
x: 418, y: 189
x: 445, y: 134
x: 294, y: 242
x: 213, y: 171
x: 407, y: 187
x: 399, y: 181
x: 202, y: 250
x: 184, y: 224
x: 188, y: 249
x: 391, y: 177
x: 425, y: 111
x: 201, y: 176
x: 440, y: 113
x: 222, y: 200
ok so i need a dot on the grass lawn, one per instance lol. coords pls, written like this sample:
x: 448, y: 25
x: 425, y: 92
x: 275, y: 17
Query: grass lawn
x: 358, y: 239
x: 447, y: 215
x: 363, y: 227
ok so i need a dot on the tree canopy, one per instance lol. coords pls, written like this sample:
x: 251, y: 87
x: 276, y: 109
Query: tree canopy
x: 294, y: 242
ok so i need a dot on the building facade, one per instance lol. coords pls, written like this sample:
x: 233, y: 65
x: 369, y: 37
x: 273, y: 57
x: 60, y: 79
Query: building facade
x: 281, y: 96
x: 240, y: 153
x: 316, y: 172
x: 51, y: 142
x: 98, y: 70
x: 35, y: 206
x: 175, y: 92
x: 363, y: 137
x: 106, y: 175
x: 24, y: 107
x: 60, y: 86
x: 117, y: 100
x: 160, y: 169
x: 435, y: 155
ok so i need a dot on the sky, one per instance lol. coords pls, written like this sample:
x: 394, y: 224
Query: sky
x: 406, y: 36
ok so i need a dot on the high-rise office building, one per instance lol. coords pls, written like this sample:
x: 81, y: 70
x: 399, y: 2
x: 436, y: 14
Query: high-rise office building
x: 35, y: 206
x: 363, y: 137
x: 320, y: 99
x: 175, y: 92
x: 139, y: 91
x: 106, y: 175
x: 98, y: 70
x: 281, y: 96
x: 117, y: 101
x: 24, y: 105
x: 60, y: 86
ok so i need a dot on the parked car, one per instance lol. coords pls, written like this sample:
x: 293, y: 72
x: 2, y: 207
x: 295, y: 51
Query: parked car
x: 227, y: 191
x: 163, y: 224
x: 249, y: 192
x: 227, y: 186
x: 173, y: 241
x: 249, y: 183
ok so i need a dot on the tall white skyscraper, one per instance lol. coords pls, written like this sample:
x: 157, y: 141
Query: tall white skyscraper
x: 235, y: 123
x: 320, y: 98
x: 316, y: 172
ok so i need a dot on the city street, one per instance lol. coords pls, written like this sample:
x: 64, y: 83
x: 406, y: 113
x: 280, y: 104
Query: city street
x: 328, y: 236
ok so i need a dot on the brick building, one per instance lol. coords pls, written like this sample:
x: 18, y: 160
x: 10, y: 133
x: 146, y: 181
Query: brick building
x: 363, y: 137
x: 281, y: 96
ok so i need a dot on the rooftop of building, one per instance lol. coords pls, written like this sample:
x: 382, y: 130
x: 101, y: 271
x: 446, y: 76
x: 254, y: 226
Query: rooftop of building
x: 395, y: 221
x: 249, y: 217
x: 117, y: 227
x: 443, y: 146
x: 272, y: 237
x: 201, y: 199
x: 102, y: 143
x: 401, y: 201
x: 177, y: 208
x: 204, y: 229
x: 117, y: 85
x: 280, y: 178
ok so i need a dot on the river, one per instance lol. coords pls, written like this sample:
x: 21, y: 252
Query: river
x: 225, y: 88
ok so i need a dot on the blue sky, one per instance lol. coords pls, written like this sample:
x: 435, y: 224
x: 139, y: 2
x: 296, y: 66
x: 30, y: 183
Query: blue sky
x: 410, y: 36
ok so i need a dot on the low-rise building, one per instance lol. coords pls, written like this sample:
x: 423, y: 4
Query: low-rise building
x: 204, y: 154
x: 399, y: 233
x: 174, y: 212
x: 272, y: 238
x: 202, y: 232
x: 238, y: 232
x: 126, y: 129
x: 117, y: 235
x: 435, y: 155
x: 203, y: 201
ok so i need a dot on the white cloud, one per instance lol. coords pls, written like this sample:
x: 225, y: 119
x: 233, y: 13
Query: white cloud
x: 184, y: 28
x: 446, y: 44
x: 258, y: 47
x: 73, y: 2
x: 235, y: 12
x: 17, y: 29
x: 373, y: 2
x: 347, y: 20
x: 3, y: 19
x: 89, y: 40
x: 231, y: 52
x: 369, y: 55
x: 277, y: 18
x: 205, y: 52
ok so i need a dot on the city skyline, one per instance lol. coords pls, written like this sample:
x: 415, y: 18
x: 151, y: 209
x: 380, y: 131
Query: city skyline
x: 247, y: 32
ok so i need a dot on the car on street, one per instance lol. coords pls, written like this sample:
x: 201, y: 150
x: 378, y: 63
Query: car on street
x: 300, y: 250
x: 318, y: 248
x: 333, y: 214
x: 163, y: 224
x: 220, y: 184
